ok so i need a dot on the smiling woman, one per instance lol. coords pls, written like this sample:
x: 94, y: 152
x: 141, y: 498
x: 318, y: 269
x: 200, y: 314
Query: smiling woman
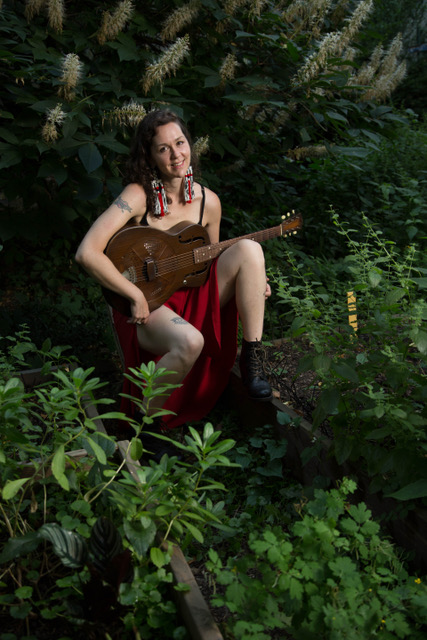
x: 193, y: 335
x: 170, y: 151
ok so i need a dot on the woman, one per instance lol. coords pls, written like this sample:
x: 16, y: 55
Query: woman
x: 194, y: 334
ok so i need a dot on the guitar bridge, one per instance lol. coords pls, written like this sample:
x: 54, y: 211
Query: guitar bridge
x: 149, y: 270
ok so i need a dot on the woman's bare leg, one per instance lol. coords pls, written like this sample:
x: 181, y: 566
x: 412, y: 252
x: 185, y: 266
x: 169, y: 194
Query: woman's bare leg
x: 241, y: 272
x: 178, y: 343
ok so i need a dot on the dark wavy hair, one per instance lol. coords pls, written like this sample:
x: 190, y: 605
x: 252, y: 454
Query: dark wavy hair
x: 138, y: 168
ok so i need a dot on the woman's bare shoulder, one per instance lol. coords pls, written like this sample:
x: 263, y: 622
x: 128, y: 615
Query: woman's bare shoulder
x: 132, y: 201
x: 213, y: 203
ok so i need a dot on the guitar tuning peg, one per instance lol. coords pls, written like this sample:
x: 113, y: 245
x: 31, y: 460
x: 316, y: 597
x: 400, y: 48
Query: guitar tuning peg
x: 283, y: 217
x: 294, y: 232
x: 293, y: 210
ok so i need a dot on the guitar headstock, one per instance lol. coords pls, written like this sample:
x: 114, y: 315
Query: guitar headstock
x: 291, y: 223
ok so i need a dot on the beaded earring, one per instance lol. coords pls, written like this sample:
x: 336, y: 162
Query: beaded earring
x: 161, y: 203
x: 189, y: 186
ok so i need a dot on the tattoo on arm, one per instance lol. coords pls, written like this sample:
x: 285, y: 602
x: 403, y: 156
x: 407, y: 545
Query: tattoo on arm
x: 122, y: 204
x: 179, y: 320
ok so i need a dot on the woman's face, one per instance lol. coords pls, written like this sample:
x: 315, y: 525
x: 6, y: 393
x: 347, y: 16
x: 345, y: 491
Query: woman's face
x: 170, y: 151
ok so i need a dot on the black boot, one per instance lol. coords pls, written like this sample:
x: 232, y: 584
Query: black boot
x: 252, y: 371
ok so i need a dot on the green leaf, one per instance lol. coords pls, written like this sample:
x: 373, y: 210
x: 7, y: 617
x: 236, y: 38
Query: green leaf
x: 157, y: 557
x: 245, y: 98
x: 10, y: 157
x: 375, y: 278
x: 90, y: 157
x: 294, y: 53
x: 333, y: 115
x: 352, y: 152
x: 322, y: 362
x: 379, y: 434
x: 295, y: 589
x: 98, y: 451
x: 81, y: 506
x: 345, y: 371
x: 21, y: 611
x: 411, y: 231
x: 394, y: 296
x: 8, y: 135
x: 140, y: 535
x: 58, y: 467
x: 105, y: 543
x: 412, y: 491
x: 15, y: 547
x: 244, y: 34
x: 70, y: 548
x: 276, y: 450
x: 212, y: 81
x: 136, y: 448
x: 421, y: 282
x: 419, y: 338
x: 127, y: 48
x: 327, y: 405
x: 12, y: 487
x: 195, y: 532
x: 110, y: 142
x: 54, y: 169
x: 24, y: 592
x: 342, y: 448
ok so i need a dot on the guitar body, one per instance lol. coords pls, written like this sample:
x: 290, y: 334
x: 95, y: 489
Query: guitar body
x: 161, y: 262
x: 157, y: 262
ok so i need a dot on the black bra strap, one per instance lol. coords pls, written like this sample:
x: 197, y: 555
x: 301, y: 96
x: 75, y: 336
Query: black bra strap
x: 202, y: 208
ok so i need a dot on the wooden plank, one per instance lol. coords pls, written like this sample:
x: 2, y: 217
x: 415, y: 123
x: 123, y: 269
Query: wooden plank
x: 192, y: 605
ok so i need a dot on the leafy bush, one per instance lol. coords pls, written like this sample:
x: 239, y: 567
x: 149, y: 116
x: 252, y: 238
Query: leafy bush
x: 388, y: 184
x: 329, y: 576
x: 63, y: 484
x: 372, y: 376
x: 260, y: 83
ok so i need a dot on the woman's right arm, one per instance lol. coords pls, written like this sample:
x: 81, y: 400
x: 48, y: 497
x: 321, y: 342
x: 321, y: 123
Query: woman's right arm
x: 130, y: 205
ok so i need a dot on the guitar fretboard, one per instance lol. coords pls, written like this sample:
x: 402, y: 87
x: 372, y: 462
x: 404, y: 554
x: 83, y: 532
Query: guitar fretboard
x: 211, y: 251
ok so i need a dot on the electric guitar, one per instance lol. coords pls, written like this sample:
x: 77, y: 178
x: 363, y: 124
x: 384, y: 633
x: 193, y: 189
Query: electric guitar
x: 160, y: 262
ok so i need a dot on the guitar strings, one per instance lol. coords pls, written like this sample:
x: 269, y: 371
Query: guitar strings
x: 169, y: 265
x: 173, y: 263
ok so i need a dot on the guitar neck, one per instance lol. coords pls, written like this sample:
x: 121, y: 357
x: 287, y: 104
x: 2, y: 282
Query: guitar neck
x: 211, y: 251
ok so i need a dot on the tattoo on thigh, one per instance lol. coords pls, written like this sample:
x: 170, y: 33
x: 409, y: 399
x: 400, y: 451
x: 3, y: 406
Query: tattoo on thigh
x: 179, y: 320
x: 122, y: 204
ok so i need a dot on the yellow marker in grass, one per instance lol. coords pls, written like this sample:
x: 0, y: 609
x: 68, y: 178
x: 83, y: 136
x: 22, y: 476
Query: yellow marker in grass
x: 351, y: 303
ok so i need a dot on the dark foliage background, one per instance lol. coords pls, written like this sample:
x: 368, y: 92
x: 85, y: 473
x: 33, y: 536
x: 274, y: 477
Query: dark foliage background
x: 281, y: 136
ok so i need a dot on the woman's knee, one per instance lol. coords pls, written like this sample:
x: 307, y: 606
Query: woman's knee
x: 189, y: 346
x: 242, y: 252
x: 252, y: 251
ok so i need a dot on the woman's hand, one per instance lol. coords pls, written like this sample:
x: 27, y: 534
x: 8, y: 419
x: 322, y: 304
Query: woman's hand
x: 267, y: 289
x: 140, y: 311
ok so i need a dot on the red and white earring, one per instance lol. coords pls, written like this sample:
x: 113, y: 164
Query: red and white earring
x: 160, y: 200
x: 189, y: 186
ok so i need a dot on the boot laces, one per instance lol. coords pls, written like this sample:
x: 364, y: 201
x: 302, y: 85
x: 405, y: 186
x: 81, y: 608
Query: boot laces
x: 256, y: 358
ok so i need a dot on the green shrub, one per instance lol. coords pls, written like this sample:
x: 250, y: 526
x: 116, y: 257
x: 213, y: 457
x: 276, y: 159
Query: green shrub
x: 329, y: 576
x: 65, y: 493
x: 372, y: 380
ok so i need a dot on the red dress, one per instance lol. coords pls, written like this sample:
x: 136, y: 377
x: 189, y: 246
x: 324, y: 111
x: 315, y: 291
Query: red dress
x: 208, y: 378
